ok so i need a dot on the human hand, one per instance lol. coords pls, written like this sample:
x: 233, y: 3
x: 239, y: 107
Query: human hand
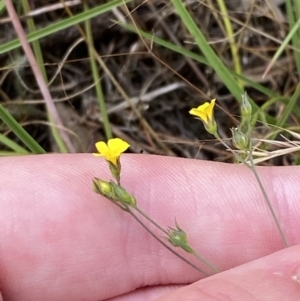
x: 61, y: 241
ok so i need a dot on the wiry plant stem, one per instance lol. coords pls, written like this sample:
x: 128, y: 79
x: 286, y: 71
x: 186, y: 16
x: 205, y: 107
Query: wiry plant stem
x: 252, y: 166
x: 165, y: 245
x: 253, y: 169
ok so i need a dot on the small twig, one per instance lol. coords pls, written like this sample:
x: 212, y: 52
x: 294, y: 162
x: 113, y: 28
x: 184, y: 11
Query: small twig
x: 43, y: 10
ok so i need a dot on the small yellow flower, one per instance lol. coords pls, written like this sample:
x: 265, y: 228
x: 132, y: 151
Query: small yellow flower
x: 205, y: 112
x: 112, y: 150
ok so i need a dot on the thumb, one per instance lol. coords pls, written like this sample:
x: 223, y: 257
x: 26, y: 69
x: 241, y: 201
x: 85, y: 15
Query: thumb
x: 274, y: 277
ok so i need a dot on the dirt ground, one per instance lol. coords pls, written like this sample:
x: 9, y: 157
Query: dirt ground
x: 161, y: 84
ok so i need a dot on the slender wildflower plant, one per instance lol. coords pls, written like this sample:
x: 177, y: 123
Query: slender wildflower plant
x: 176, y: 237
x: 241, y: 139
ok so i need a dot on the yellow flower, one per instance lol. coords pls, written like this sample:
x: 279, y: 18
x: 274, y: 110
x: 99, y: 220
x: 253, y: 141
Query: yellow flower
x: 205, y: 112
x: 112, y: 150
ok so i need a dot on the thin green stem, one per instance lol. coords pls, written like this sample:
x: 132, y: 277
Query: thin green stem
x: 198, y: 256
x: 214, y: 268
x: 150, y: 220
x: 253, y: 169
x: 252, y: 166
x: 165, y: 245
x: 237, y: 156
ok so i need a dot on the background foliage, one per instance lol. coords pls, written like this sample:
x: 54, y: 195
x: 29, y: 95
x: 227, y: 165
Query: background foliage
x: 133, y: 69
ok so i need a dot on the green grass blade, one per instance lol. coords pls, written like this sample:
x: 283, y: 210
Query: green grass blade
x: 96, y: 78
x: 213, y: 60
x: 13, y: 145
x: 9, y: 154
x: 199, y: 59
x: 231, y: 39
x: 293, y: 13
x: 96, y: 11
x: 32, y: 145
x: 289, y: 108
x: 285, y: 42
x: 56, y: 135
x: 203, y: 60
x: 2, y: 6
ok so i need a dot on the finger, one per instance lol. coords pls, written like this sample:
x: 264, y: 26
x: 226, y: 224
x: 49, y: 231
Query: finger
x: 60, y: 240
x: 146, y: 293
x: 275, y: 277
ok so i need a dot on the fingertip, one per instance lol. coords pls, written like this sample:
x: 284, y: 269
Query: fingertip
x: 274, y: 277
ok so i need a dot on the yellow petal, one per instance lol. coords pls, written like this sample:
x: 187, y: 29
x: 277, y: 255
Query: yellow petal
x: 102, y: 148
x: 204, y: 111
x: 199, y: 113
x: 117, y: 146
x: 112, y: 159
x: 210, y: 109
x: 112, y: 150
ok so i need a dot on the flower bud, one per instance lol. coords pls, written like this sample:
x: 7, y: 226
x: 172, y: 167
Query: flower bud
x: 114, y: 192
x: 246, y: 108
x: 178, y: 238
x: 123, y: 196
x: 104, y: 188
x: 239, y: 139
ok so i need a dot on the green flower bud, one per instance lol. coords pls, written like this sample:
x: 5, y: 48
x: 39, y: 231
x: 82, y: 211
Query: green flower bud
x: 114, y: 192
x: 104, y: 188
x: 123, y: 196
x: 239, y: 139
x: 246, y: 108
x: 178, y: 238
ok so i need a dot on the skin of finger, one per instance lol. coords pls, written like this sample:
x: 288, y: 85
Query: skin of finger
x: 147, y: 293
x: 269, y: 279
x: 59, y: 240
